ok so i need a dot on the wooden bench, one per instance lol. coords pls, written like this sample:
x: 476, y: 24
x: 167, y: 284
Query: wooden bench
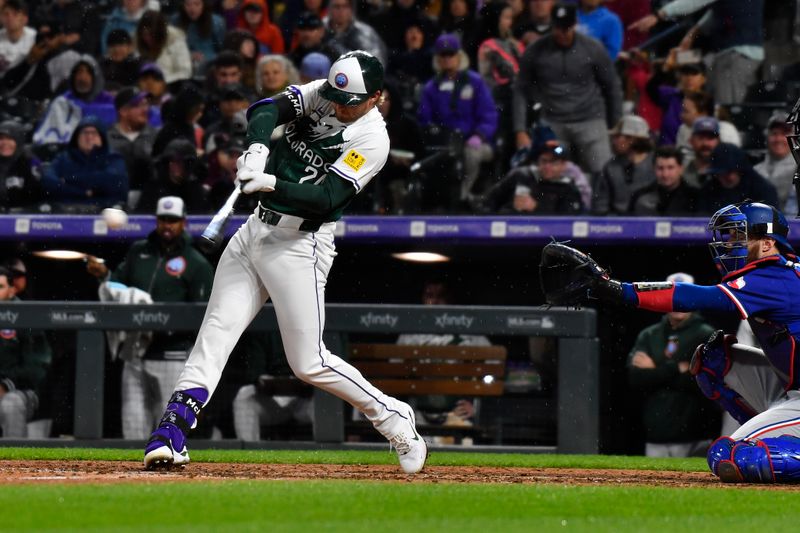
x: 412, y: 370
x: 416, y: 370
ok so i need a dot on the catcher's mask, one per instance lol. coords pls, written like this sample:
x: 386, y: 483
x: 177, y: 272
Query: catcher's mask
x: 733, y: 225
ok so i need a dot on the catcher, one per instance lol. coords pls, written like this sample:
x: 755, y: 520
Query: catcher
x: 760, y: 283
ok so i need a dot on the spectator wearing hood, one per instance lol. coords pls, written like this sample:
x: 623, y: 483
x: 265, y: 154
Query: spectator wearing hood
x: 19, y: 189
x: 124, y: 17
x: 733, y: 180
x: 459, y: 100
x: 178, y: 173
x: 164, y: 44
x: 85, y: 97
x: 343, y: 32
x: 254, y: 17
x: 86, y: 175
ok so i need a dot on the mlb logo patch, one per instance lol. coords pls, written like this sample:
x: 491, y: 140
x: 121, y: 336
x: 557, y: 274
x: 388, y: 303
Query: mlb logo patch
x: 340, y: 80
x: 738, y: 283
x: 354, y: 160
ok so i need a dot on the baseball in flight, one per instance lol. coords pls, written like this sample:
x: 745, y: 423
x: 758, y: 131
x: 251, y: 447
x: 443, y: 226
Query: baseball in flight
x: 114, y: 218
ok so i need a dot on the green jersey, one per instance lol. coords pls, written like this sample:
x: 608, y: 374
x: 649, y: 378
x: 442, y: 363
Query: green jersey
x: 317, y: 148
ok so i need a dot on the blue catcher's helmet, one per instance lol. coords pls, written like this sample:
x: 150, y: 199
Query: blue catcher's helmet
x: 733, y: 225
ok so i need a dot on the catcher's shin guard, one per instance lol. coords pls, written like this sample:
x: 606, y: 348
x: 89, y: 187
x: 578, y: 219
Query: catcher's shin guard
x: 783, y: 454
x: 167, y: 444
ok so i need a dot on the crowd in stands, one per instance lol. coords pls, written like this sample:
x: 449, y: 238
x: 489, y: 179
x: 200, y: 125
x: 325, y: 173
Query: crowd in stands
x: 604, y: 107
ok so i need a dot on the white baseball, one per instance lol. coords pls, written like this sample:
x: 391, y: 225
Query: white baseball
x: 115, y: 218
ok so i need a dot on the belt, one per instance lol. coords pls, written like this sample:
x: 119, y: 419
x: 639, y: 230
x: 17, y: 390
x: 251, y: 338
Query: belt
x: 272, y: 218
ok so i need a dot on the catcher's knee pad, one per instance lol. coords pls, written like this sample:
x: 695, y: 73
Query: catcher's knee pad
x: 769, y: 460
x: 720, y: 450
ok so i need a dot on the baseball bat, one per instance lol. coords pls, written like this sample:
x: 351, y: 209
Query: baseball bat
x: 215, y: 231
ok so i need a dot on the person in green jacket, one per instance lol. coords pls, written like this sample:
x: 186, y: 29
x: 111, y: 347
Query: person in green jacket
x: 675, y: 414
x: 164, y: 267
x: 24, y: 359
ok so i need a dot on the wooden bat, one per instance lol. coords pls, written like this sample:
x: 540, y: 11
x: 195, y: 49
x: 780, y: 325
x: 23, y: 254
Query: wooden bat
x: 215, y: 231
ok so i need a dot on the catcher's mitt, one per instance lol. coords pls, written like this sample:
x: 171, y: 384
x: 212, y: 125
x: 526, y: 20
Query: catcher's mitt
x: 569, y: 277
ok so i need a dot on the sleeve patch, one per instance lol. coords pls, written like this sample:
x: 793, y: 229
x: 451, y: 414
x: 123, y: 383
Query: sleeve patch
x: 354, y: 160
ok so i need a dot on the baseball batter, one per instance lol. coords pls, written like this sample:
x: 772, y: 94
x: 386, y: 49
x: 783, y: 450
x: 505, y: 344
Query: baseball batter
x: 335, y: 141
x: 761, y: 284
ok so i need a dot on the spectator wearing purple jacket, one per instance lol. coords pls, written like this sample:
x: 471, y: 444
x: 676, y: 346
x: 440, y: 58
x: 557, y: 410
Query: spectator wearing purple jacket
x: 84, y: 98
x: 458, y: 99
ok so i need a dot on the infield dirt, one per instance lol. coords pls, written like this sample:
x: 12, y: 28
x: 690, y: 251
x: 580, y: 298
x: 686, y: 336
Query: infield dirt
x: 27, y: 472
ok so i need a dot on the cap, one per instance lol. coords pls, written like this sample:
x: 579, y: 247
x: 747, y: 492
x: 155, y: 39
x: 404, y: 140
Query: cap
x: 692, y: 68
x: 564, y: 15
x: 778, y: 120
x: 353, y: 78
x: 171, y: 206
x: 447, y: 42
x: 9, y: 128
x: 128, y: 96
x: 315, y: 66
x: 633, y: 126
x: 17, y: 267
x: 252, y: 6
x: 706, y: 125
x: 727, y: 158
x: 152, y: 69
x: 553, y: 147
x: 680, y: 277
x: 308, y: 21
x: 118, y: 36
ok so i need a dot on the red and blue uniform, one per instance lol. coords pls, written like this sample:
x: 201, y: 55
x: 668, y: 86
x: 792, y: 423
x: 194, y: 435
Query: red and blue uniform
x: 764, y: 293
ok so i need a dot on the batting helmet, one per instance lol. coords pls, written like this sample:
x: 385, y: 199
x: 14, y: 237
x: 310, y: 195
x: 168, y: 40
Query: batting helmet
x: 733, y: 225
x: 353, y: 78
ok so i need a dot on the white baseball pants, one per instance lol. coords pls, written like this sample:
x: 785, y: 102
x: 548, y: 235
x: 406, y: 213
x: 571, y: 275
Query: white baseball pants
x: 290, y: 267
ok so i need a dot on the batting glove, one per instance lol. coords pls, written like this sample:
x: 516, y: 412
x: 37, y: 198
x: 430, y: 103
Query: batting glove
x: 251, y: 181
x: 254, y: 158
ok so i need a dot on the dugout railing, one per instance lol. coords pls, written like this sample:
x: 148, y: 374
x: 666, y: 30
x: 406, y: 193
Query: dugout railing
x: 578, y: 417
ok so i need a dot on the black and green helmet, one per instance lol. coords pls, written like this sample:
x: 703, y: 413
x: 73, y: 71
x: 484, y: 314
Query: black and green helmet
x: 353, y: 78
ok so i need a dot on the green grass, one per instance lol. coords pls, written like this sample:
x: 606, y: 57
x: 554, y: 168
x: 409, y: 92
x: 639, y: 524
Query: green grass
x: 381, y: 506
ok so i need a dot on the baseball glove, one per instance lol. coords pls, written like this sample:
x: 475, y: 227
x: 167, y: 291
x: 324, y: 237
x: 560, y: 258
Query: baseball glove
x: 570, y: 277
